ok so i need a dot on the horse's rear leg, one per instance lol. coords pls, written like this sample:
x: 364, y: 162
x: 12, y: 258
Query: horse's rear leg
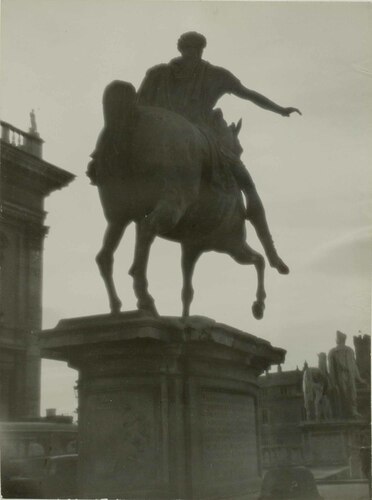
x: 244, y: 254
x: 105, y: 261
x: 144, y: 240
x: 189, y: 257
x: 160, y: 221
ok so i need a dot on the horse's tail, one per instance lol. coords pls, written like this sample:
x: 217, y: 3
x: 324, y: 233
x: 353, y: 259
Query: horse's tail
x: 113, y: 149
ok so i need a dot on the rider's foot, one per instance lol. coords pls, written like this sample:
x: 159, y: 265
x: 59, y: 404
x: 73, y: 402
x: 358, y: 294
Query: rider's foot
x: 258, y: 219
x: 279, y: 265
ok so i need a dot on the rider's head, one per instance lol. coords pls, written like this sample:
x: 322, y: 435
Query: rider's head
x: 191, y: 45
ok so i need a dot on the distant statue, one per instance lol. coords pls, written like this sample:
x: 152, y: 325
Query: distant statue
x: 316, y: 390
x: 175, y: 171
x: 33, y: 127
x: 308, y: 391
x: 323, y: 409
x: 362, y: 347
x: 344, y: 374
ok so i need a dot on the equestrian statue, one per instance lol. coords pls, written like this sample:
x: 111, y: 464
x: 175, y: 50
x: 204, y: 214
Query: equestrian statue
x: 167, y: 161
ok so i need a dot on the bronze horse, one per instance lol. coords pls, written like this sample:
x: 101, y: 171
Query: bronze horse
x: 166, y: 189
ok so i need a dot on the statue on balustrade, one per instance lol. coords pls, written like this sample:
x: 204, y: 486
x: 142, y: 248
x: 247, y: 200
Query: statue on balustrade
x: 33, y: 127
x: 362, y: 348
x: 344, y: 376
x: 168, y: 161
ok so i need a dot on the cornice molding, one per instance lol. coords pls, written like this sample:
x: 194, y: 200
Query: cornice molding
x: 24, y: 169
x: 21, y: 212
x: 23, y: 219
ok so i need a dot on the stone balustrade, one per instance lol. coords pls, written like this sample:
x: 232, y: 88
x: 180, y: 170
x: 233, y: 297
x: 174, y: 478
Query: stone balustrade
x: 29, y: 142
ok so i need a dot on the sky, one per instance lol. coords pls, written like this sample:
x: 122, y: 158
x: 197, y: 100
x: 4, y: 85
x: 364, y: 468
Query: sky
x: 312, y: 171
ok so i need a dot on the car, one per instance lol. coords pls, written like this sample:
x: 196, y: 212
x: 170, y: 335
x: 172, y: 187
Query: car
x: 41, y: 477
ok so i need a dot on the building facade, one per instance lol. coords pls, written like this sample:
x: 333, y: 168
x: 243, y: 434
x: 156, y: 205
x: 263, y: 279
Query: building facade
x: 26, y: 180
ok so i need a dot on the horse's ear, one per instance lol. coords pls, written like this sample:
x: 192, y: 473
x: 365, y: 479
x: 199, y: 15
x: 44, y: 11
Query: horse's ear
x: 238, y: 126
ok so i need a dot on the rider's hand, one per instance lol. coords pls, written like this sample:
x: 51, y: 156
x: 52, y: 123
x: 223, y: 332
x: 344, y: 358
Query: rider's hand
x: 288, y: 111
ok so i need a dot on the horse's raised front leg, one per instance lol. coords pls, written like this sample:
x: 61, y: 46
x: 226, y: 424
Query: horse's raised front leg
x: 105, y: 261
x: 189, y: 257
x: 244, y: 254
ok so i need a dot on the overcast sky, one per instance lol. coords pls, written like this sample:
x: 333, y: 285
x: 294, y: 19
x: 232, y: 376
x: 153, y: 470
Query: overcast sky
x: 313, y: 172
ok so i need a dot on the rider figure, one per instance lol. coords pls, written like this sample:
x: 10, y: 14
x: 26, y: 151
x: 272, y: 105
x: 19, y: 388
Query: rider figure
x: 190, y: 86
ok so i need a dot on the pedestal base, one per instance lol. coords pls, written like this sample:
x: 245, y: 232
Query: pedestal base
x: 167, y: 408
x: 335, y: 443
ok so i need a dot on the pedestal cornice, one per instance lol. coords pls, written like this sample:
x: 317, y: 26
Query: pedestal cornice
x: 71, y: 338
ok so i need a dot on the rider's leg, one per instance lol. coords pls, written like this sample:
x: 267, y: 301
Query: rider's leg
x: 256, y: 215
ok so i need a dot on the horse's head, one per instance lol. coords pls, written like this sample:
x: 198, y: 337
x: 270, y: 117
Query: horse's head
x: 232, y: 139
x: 227, y: 135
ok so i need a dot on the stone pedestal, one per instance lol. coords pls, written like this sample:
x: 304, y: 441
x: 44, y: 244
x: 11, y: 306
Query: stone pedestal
x: 167, y: 408
x: 335, y: 443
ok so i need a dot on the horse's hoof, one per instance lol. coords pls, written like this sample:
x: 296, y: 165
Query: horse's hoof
x: 150, y: 309
x: 151, y: 312
x: 280, y: 266
x: 116, y: 307
x: 258, y: 309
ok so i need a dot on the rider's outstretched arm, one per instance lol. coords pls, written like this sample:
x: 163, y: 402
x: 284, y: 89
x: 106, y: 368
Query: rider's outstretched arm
x: 262, y: 101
